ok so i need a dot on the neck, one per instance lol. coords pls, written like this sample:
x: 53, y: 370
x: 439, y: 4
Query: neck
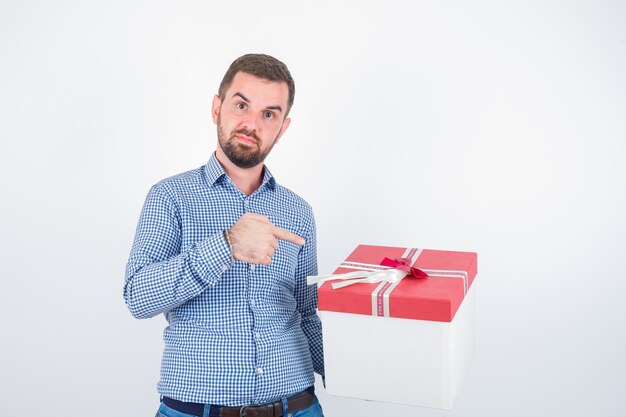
x: 247, y: 180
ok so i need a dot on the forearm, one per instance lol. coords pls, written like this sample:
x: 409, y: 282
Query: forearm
x: 312, y: 328
x: 154, y: 287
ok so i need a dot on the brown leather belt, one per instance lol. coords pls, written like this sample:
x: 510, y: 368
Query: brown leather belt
x: 275, y: 409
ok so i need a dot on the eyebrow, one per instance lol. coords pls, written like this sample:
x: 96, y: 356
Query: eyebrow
x: 244, y: 98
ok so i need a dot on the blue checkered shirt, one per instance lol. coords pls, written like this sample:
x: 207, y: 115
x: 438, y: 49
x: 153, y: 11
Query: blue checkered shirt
x: 238, y: 333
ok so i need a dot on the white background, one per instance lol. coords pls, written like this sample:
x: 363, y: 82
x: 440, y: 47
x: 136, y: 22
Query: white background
x: 495, y: 127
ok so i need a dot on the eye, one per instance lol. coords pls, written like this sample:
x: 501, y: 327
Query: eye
x: 241, y: 106
x: 268, y: 115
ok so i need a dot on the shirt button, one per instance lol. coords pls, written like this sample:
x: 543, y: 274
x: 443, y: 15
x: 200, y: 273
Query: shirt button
x: 259, y: 370
x: 257, y: 335
x: 252, y: 267
x: 224, y: 267
x: 246, y: 203
x: 252, y: 302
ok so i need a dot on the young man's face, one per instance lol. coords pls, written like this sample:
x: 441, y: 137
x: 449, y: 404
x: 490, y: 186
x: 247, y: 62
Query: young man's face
x: 251, y: 118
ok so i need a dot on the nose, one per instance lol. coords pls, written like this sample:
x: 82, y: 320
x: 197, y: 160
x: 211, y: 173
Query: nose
x: 250, y: 122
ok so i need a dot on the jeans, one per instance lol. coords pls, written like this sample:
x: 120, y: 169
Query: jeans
x: 315, y: 410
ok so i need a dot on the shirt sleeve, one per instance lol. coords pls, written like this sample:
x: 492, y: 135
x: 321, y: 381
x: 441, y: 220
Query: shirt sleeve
x: 306, y: 298
x: 159, y: 277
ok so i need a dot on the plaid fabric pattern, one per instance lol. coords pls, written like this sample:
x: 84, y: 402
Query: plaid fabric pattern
x: 238, y: 333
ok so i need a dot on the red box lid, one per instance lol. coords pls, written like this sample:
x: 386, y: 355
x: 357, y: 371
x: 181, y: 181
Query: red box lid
x: 436, y: 298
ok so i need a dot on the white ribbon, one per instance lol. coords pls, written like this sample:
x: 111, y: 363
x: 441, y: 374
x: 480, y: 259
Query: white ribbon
x: 356, y: 277
x: 380, y: 274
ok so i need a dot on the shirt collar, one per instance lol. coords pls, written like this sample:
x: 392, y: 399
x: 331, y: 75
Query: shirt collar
x: 215, y: 172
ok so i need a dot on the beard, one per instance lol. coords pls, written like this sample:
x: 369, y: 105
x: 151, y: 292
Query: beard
x: 241, y: 154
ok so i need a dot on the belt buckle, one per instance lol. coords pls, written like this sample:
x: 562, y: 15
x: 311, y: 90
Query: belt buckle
x: 269, y: 409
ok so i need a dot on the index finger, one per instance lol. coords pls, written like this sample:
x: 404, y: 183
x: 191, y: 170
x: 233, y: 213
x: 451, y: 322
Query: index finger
x: 285, y: 234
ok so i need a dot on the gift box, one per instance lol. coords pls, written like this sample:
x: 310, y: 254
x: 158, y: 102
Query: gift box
x: 398, y: 324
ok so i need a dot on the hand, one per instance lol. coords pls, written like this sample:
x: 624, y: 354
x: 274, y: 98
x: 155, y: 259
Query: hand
x: 254, y: 238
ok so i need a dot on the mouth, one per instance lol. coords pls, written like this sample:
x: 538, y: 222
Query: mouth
x: 248, y: 140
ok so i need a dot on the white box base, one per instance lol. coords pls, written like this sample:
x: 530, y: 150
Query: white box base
x: 414, y: 362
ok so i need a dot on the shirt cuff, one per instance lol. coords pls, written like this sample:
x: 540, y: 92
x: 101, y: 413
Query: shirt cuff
x: 215, y: 255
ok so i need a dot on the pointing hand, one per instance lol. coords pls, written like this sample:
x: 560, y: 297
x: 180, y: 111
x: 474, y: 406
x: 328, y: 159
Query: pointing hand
x: 254, y: 238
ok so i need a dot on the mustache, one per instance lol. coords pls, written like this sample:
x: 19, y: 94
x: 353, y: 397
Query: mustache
x: 246, y: 132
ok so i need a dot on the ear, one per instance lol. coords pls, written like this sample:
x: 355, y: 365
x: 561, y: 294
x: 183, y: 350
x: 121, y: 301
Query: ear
x: 215, y: 110
x: 284, y: 127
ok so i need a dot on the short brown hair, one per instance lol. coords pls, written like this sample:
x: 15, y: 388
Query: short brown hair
x: 262, y: 66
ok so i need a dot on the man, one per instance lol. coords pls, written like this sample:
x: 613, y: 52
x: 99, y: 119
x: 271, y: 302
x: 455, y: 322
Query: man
x: 224, y: 251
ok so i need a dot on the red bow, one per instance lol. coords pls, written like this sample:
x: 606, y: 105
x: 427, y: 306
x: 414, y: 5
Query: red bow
x: 404, y: 264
